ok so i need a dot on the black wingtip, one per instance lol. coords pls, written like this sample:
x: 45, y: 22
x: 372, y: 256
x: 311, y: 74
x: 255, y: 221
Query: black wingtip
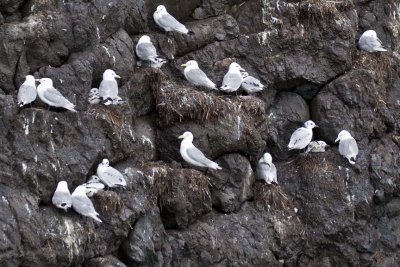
x: 190, y: 33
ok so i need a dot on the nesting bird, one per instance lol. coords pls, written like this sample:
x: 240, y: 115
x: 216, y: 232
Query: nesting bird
x: 27, y: 91
x: 62, y: 197
x: 302, y: 136
x: 168, y: 22
x: 266, y: 170
x: 108, y: 89
x: 51, y: 96
x: 193, y: 155
x: 233, y: 78
x: 250, y: 84
x: 370, y: 42
x: 196, y: 76
x: 347, y: 146
x: 146, y: 52
x: 82, y: 204
x: 93, y: 186
x: 94, y: 96
x: 110, y: 176
x: 316, y: 147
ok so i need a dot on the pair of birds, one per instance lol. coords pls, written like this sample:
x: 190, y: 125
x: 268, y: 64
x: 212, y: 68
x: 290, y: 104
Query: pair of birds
x: 301, y: 138
x: 79, y: 200
x: 28, y: 92
x: 107, y: 91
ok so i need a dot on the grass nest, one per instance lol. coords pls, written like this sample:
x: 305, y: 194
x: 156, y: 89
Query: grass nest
x: 179, y: 104
x: 324, y: 8
x: 271, y: 197
x: 381, y: 64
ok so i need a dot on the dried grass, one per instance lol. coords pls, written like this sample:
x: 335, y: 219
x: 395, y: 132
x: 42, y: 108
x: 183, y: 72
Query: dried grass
x: 324, y: 8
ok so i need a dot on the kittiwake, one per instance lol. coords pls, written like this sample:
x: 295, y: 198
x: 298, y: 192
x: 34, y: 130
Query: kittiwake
x: 316, y: 147
x: 233, y: 78
x: 82, y: 204
x: 193, y: 155
x: 49, y: 95
x: 62, y: 197
x: 370, y: 42
x: 110, y: 176
x: 94, y: 96
x: 196, y: 76
x: 93, y: 186
x: 27, y: 91
x: 250, y: 84
x: 266, y: 170
x: 108, y: 89
x: 302, y: 136
x: 168, y: 22
x: 347, y: 146
x: 146, y: 51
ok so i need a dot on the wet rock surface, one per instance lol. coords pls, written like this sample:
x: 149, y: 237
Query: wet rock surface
x: 324, y: 212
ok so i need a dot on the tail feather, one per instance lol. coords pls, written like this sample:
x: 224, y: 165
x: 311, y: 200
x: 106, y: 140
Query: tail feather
x: 381, y: 49
x: 71, y: 108
x: 94, y: 216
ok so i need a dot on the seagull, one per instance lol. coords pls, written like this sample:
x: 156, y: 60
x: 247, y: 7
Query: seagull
x: 232, y: 79
x: 194, y: 156
x: 266, y: 170
x: 108, y: 89
x: 27, y: 91
x: 196, y: 76
x: 94, y: 96
x: 316, y: 147
x: 146, y: 51
x: 62, y: 197
x: 93, y: 186
x: 82, y: 204
x: 370, y: 42
x: 51, y: 96
x: 250, y: 84
x: 168, y: 22
x: 347, y: 146
x: 110, y: 176
x: 302, y: 136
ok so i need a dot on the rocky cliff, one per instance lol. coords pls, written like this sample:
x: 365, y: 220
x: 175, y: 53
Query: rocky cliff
x: 324, y: 212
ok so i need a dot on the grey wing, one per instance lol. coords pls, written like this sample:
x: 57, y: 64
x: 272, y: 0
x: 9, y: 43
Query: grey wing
x: 113, y: 177
x: 369, y: 43
x: 273, y: 173
x: 168, y: 21
x: 61, y: 199
x: 108, y: 89
x: 198, y: 77
x: 26, y: 94
x: 252, y: 84
x: 262, y: 171
x: 146, y: 51
x: 83, y: 205
x: 348, y: 147
x: 56, y: 98
x: 198, y: 156
x: 300, y: 138
x: 232, y: 80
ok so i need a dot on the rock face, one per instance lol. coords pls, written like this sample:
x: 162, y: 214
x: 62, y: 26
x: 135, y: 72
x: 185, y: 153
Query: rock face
x: 324, y: 212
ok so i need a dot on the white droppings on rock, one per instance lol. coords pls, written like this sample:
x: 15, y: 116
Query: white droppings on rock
x: 24, y: 168
x: 146, y: 140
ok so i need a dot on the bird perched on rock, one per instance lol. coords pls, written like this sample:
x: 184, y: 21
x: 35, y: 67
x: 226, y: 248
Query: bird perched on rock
x: 94, y: 96
x: 27, y: 91
x: 93, y: 186
x: 196, y: 76
x: 302, y: 136
x: 194, y: 156
x: 250, y: 84
x: 82, y: 204
x: 370, y: 42
x: 347, y: 146
x: 146, y: 51
x: 62, y: 197
x: 108, y: 89
x: 233, y: 78
x: 266, y: 170
x: 316, y: 147
x: 51, y: 96
x: 168, y: 22
x: 110, y: 176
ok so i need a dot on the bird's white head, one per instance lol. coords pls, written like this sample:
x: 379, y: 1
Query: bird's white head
x: 310, y: 124
x: 79, y: 191
x: 144, y: 39
x: 186, y: 136
x: 161, y: 9
x: 343, y: 135
x: 94, y: 91
x: 191, y: 64
x: 45, y: 81
x: 110, y: 75
x: 267, y: 158
x: 29, y: 79
x: 235, y: 67
x: 244, y: 74
x: 62, y: 186
x: 105, y: 162
x: 322, y: 143
x: 94, y: 179
x: 370, y: 33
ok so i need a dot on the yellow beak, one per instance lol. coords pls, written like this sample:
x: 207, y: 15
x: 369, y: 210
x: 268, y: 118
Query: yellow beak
x: 38, y: 80
x: 183, y: 65
x: 337, y: 140
x: 180, y: 137
x: 117, y: 76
